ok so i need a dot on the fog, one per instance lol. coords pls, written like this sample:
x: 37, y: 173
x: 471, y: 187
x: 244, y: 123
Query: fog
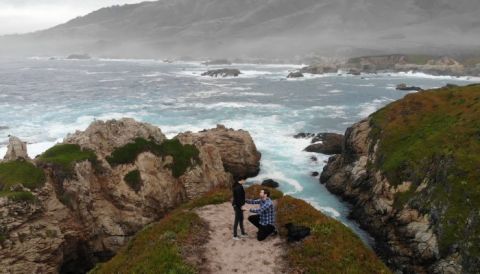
x: 262, y: 29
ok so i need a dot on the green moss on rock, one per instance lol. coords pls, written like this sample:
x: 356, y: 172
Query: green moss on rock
x: 66, y: 155
x: 184, y: 156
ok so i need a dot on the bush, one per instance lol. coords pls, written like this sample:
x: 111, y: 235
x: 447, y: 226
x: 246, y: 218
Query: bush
x: 66, y: 155
x: 18, y: 196
x: 184, y: 156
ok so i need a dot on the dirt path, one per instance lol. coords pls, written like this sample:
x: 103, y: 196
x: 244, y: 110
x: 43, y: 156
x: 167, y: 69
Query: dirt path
x: 224, y: 255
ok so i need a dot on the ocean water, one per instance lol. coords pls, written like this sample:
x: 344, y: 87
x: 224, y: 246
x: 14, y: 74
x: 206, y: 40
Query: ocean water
x: 42, y: 100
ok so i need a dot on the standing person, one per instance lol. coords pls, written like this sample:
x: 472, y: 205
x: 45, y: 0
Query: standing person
x: 238, y: 202
x: 264, y: 220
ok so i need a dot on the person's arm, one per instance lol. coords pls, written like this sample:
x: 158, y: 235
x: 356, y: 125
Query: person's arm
x: 262, y: 208
x: 253, y: 202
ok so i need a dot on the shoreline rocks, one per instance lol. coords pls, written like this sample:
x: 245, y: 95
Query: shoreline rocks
x: 295, y: 74
x: 405, y: 237
x: 222, y: 73
x: 326, y: 143
x: 404, y: 87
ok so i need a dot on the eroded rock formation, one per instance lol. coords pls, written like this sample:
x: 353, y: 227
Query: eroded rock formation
x: 79, y: 219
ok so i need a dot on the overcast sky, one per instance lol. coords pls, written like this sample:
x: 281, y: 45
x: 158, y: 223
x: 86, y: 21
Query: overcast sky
x: 20, y: 16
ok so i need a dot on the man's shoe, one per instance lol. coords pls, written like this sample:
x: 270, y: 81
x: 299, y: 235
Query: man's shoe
x: 235, y: 238
x: 244, y: 235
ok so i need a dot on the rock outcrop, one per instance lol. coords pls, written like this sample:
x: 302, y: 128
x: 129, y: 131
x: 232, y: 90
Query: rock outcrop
x: 295, y: 74
x: 222, y: 73
x: 16, y: 149
x: 326, y: 143
x: 79, y: 219
x: 405, y: 237
x: 239, y: 154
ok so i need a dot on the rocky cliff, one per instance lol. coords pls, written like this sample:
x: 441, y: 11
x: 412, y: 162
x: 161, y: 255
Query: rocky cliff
x: 93, y: 192
x: 411, y: 172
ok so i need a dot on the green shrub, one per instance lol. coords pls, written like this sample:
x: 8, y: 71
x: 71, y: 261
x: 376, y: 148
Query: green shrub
x: 18, y: 196
x: 20, y: 172
x: 66, y: 155
x: 184, y: 156
x: 134, y: 180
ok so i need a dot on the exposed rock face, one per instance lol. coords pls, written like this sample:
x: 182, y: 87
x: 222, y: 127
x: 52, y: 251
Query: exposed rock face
x: 104, y: 137
x: 405, y: 237
x: 239, y: 154
x: 80, y: 220
x: 16, y: 149
x: 222, y: 73
x: 326, y: 143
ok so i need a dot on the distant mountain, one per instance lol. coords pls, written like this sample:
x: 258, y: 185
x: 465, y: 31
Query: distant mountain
x: 263, y: 28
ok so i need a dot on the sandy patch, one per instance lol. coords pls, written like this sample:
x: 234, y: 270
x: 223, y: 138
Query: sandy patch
x: 224, y: 255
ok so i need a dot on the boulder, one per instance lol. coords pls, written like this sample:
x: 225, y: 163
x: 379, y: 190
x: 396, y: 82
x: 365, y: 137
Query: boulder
x: 270, y: 183
x: 222, y: 73
x: 239, y: 154
x: 314, y: 173
x: 296, y: 74
x: 16, y: 149
x: 404, y: 87
x: 326, y: 143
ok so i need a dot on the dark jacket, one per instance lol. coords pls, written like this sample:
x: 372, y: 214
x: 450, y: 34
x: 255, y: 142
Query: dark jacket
x: 238, y: 195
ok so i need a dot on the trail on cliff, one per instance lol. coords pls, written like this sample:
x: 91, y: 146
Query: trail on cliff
x: 225, y: 255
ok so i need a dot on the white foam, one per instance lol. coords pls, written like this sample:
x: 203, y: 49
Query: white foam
x: 368, y: 108
x: 335, y: 91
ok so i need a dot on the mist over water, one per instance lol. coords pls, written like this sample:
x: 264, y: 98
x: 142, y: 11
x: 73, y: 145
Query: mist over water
x: 42, y: 100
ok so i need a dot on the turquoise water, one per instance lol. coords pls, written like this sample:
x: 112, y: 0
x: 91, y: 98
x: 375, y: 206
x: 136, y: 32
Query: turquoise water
x: 43, y: 100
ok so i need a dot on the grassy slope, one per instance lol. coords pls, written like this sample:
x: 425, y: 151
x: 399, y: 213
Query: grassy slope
x: 331, y: 248
x: 159, y: 248
x: 434, y: 137
x: 20, y: 172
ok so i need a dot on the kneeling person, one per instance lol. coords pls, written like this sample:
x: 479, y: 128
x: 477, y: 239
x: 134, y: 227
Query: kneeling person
x: 264, y: 219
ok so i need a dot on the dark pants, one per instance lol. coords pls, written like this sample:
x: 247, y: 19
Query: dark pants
x: 263, y: 230
x: 238, y: 220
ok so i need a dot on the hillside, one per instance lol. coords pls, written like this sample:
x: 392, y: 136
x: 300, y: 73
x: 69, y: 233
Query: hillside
x: 412, y: 171
x: 176, y: 244
x: 262, y: 28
